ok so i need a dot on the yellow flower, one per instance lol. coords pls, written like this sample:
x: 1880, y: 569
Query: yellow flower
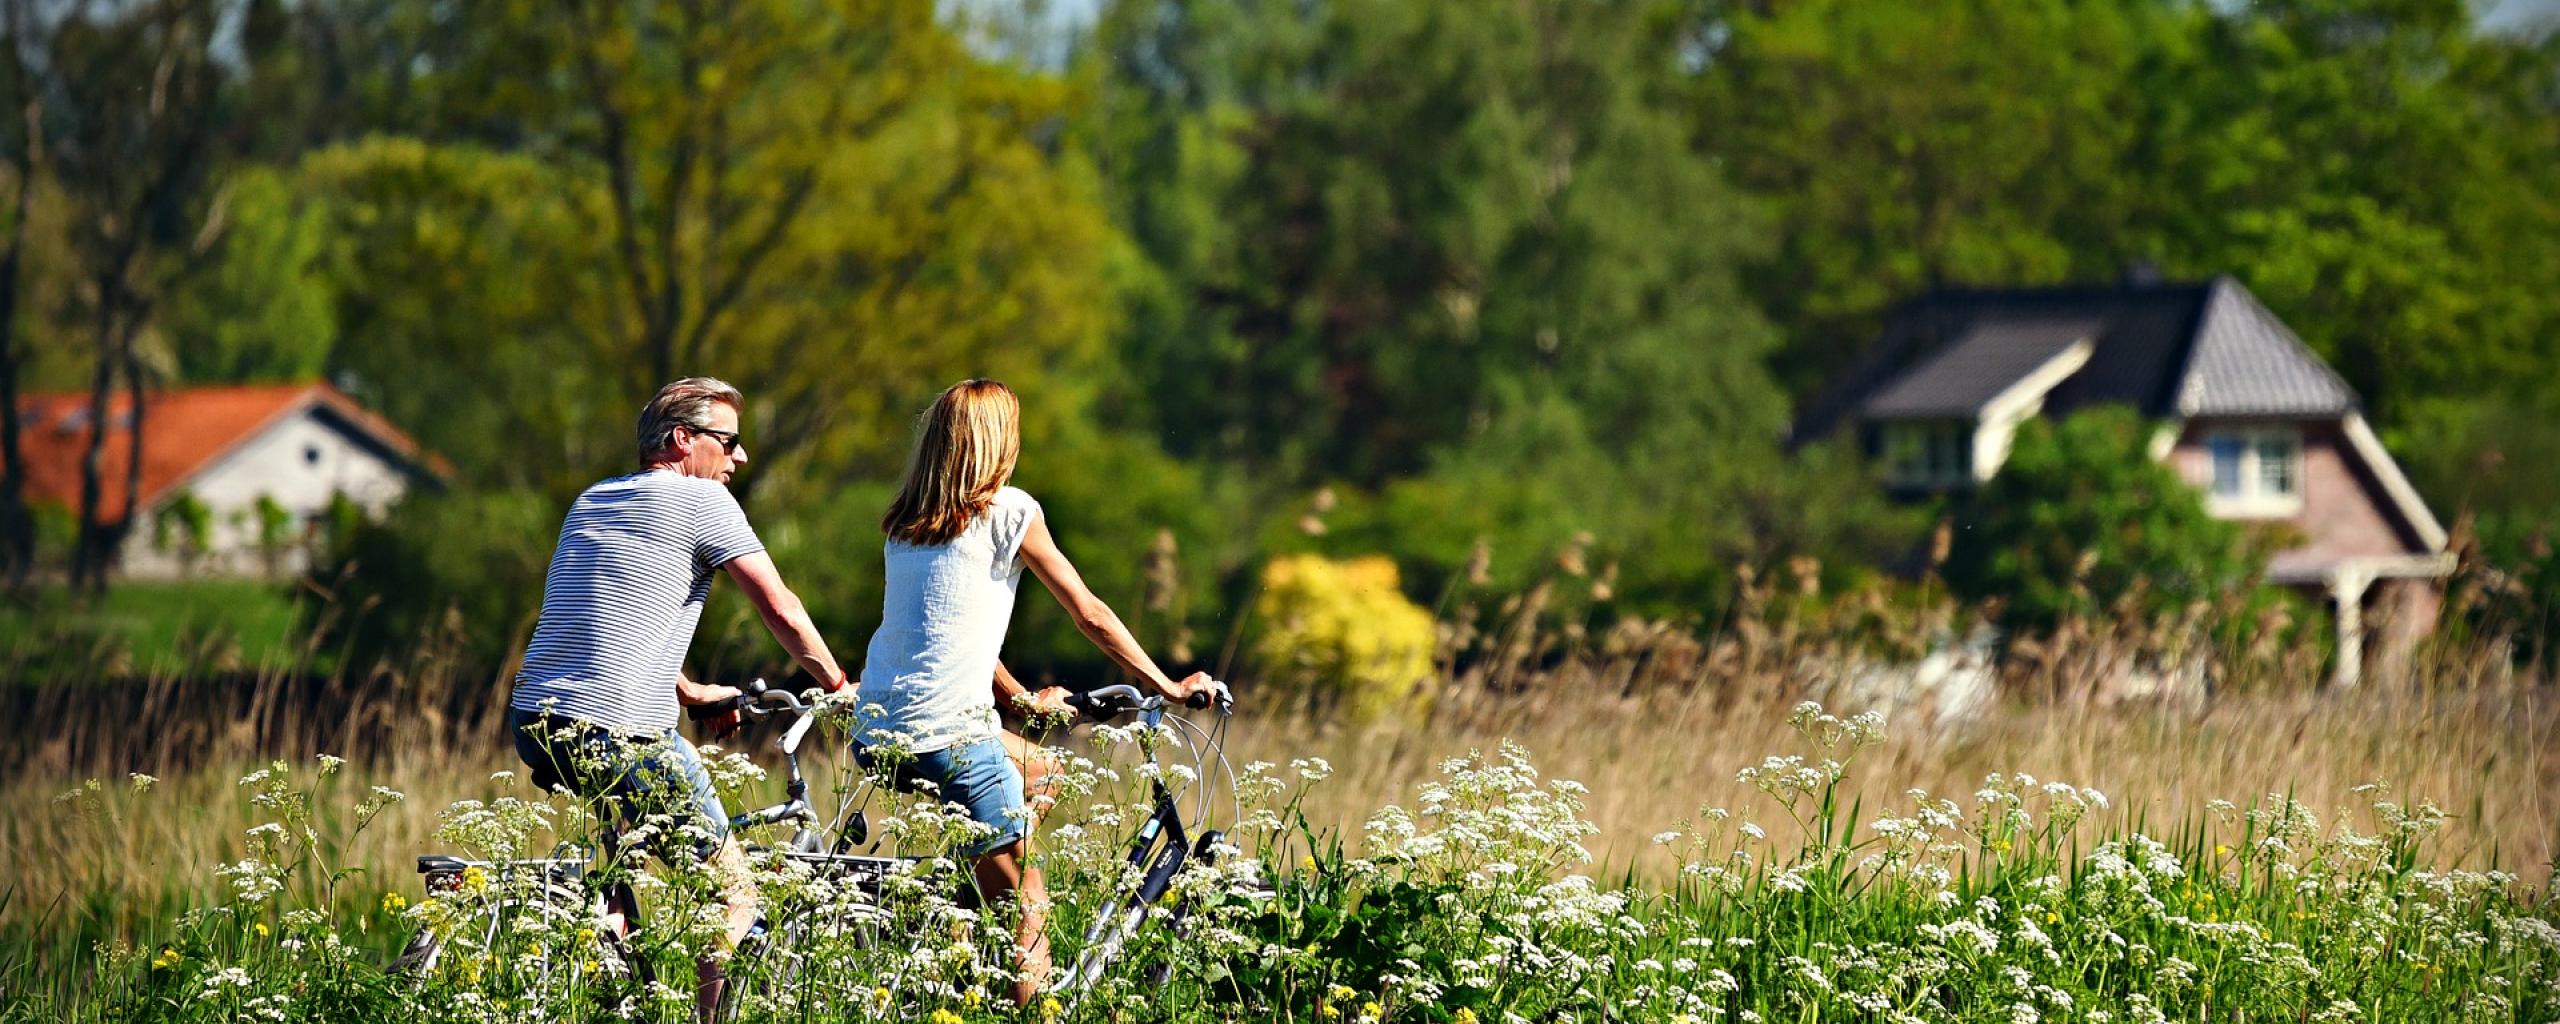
x: 2220, y: 850
x: 593, y: 967
x: 881, y: 995
x: 1340, y: 991
x: 1331, y: 1013
x: 944, y: 1016
x: 168, y: 958
x: 474, y: 879
x: 2051, y: 917
x: 1049, y: 1008
x: 1371, y: 1010
x: 1307, y: 863
x: 393, y: 902
x: 974, y: 999
x: 1463, y: 1016
x: 586, y: 935
x: 262, y: 929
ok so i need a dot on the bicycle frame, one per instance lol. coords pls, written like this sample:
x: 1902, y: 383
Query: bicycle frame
x: 1162, y: 847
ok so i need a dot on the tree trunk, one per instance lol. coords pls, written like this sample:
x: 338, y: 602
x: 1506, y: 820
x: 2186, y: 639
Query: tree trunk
x: 88, y: 555
x: 133, y: 389
x: 17, y: 530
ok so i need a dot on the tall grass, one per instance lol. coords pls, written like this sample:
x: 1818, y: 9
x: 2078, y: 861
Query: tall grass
x: 1659, y: 722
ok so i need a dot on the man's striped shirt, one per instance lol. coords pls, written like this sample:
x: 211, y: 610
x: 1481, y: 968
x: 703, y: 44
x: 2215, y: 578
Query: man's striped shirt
x: 623, y: 596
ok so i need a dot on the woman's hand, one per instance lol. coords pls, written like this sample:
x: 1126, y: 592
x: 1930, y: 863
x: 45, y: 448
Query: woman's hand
x: 1049, y: 705
x: 1197, y: 682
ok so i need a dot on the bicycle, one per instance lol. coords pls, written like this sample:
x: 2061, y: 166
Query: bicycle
x: 541, y: 897
x: 568, y: 890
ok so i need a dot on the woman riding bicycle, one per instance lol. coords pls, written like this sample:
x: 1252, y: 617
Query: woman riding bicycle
x: 959, y: 539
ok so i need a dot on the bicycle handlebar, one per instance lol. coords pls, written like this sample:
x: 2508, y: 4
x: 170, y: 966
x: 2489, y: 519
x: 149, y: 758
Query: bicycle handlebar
x: 755, y: 698
x: 1109, y: 702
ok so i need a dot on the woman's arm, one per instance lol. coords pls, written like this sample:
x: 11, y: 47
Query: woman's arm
x: 1095, y: 619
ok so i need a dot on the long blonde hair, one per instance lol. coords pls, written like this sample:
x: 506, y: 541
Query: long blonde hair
x: 966, y: 445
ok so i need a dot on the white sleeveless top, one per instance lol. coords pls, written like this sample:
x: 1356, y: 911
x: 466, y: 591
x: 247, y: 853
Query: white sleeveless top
x: 942, y: 622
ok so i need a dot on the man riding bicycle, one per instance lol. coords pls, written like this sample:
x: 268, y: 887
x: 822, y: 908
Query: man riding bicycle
x: 596, y: 703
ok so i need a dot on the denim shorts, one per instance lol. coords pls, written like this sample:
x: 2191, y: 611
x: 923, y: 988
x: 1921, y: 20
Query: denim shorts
x: 979, y: 776
x: 638, y: 774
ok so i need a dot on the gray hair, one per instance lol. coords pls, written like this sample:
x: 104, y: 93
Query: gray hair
x: 681, y: 403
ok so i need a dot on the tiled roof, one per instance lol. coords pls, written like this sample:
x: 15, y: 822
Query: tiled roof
x: 1993, y: 354
x: 2246, y: 362
x: 184, y: 431
x: 2205, y: 349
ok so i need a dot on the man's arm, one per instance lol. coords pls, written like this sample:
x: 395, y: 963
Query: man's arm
x: 786, y: 617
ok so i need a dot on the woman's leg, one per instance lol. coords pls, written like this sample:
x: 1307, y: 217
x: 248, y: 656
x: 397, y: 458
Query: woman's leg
x: 1039, y: 767
x: 1004, y: 873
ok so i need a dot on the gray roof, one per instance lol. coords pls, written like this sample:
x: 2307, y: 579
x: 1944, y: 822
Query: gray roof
x: 2168, y: 350
x: 2246, y: 362
x: 1992, y: 354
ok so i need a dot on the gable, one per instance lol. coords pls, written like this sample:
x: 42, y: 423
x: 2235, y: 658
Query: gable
x: 2245, y: 362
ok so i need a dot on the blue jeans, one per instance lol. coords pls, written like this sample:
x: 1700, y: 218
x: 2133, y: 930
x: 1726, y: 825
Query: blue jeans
x: 978, y: 776
x: 637, y: 775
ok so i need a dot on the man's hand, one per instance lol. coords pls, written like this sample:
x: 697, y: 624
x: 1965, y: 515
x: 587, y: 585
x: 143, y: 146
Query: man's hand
x: 695, y: 694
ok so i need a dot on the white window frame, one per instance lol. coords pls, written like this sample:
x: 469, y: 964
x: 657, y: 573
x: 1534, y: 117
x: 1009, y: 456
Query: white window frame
x: 2252, y: 497
x: 1928, y: 453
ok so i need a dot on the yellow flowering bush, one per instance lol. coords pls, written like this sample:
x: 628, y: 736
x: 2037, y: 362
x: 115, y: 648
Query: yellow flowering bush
x: 1344, y: 630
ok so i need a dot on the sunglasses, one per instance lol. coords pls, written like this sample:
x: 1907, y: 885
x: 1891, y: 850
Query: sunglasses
x: 728, y: 438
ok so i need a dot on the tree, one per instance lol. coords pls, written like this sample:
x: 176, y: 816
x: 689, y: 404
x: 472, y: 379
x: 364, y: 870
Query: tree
x: 1462, y: 255
x: 1382, y: 226
x: 131, y: 95
x: 2375, y: 169
x: 1903, y: 147
x: 24, y: 145
x: 791, y: 186
x: 260, y: 310
x: 2081, y: 515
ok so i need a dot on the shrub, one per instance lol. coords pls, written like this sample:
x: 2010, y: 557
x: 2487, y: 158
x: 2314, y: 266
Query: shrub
x: 1345, y: 632
x: 2081, y: 516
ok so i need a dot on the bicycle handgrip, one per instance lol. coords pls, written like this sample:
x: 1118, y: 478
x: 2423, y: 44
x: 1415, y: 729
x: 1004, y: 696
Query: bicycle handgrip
x: 1106, y: 703
x: 715, y: 709
x: 750, y: 693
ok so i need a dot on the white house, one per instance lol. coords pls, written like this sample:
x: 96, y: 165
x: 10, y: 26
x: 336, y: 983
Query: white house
x: 264, y: 461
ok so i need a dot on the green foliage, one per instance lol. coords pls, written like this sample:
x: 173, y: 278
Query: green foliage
x: 182, y: 523
x: 458, y: 573
x: 261, y: 310
x: 1380, y: 229
x: 2490, y: 461
x: 2081, y: 515
x: 2372, y: 168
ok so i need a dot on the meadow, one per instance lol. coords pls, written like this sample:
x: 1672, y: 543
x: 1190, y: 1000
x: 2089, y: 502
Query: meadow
x: 1649, y: 829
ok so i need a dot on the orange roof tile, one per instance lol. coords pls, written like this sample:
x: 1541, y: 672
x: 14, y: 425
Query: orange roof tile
x: 184, y: 431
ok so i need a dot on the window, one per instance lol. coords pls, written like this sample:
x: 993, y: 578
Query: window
x: 1929, y: 454
x: 311, y: 454
x: 2256, y: 471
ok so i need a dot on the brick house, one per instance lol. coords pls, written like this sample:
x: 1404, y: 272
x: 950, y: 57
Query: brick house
x: 2248, y: 414
x: 248, y: 453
